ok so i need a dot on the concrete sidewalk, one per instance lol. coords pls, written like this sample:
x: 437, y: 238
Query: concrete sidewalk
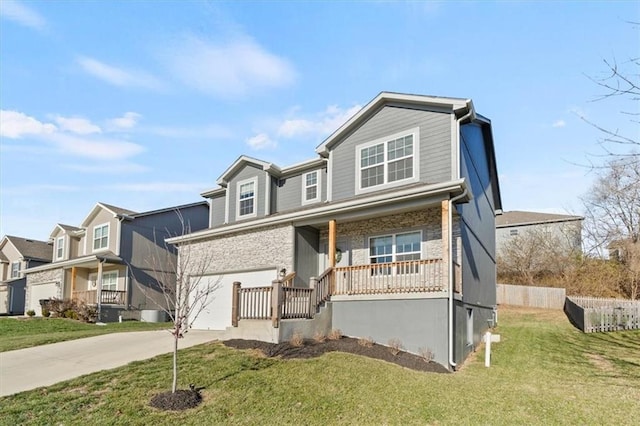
x: 30, y: 368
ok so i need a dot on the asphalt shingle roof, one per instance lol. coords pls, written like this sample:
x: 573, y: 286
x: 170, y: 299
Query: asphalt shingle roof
x: 514, y: 218
x: 32, y: 249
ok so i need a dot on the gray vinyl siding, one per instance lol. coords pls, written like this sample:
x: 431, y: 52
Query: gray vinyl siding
x: 289, y: 190
x: 306, y: 255
x: 149, y: 260
x: 435, y: 146
x: 246, y: 173
x: 217, y: 210
x: 477, y: 226
x: 567, y: 233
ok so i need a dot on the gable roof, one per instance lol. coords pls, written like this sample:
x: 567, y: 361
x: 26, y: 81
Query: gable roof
x: 240, y: 163
x: 30, y: 249
x: 519, y: 218
x: 116, y: 211
x: 435, y: 102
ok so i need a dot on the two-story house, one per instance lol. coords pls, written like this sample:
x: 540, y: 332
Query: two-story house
x: 16, y: 255
x: 116, y: 259
x: 388, y: 233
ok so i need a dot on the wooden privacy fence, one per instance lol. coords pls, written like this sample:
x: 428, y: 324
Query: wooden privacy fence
x: 594, y: 314
x: 531, y: 297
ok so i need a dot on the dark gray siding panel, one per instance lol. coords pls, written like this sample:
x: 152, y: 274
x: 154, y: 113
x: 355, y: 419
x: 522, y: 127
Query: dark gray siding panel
x: 478, y: 221
x: 217, y: 211
x: 248, y: 172
x: 435, y: 145
x: 481, y: 317
x: 306, y: 255
x: 418, y: 323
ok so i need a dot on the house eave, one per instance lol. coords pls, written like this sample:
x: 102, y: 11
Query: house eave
x: 331, y: 209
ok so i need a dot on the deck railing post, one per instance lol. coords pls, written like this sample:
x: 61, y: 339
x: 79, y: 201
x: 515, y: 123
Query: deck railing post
x: 313, y: 305
x: 276, y: 305
x: 235, y: 304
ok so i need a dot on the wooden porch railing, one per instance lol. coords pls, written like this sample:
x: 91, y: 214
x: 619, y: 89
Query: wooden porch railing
x: 287, y: 281
x: 107, y: 297
x: 323, y: 285
x: 457, y: 278
x: 393, y: 277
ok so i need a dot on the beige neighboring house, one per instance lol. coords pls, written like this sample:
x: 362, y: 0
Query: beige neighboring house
x: 566, y: 229
x: 16, y: 255
x: 108, y: 260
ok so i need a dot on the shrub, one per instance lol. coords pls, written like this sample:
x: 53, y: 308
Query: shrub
x: 59, y: 307
x: 71, y: 314
x: 296, y: 340
x: 426, y: 354
x: 319, y: 337
x: 367, y: 342
x: 335, y: 334
x: 86, y: 313
x: 395, y: 346
x: 46, y: 313
x: 31, y: 312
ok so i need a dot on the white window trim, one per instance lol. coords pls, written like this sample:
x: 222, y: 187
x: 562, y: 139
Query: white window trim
x: 17, y: 275
x: 60, y: 246
x: 385, y: 140
x: 93, y: 279
x: 317, y: 185
x: 93, y: 237
x: 394, y: 235
x: 255, y: 198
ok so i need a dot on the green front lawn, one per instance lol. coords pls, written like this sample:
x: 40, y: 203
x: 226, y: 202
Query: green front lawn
x: 544, y: 372
x: 24, y: 333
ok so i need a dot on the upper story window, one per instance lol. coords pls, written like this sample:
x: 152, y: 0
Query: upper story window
x: 247, y: 198
x: 15, y: 269
x: 101, y: 237
x: 311, y: 187
x: 59, y: 248
x: 387, y: 161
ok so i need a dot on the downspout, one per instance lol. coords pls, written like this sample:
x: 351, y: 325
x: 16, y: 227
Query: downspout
x: 99, y: 291
x: 452, y: 363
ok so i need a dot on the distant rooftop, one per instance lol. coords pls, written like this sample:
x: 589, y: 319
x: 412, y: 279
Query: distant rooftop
x: 518, y: 218
x: 32, y: 249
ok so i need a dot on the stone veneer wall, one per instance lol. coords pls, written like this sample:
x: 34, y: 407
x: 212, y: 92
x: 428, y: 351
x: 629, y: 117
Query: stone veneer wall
x: 429, y: 221
x: 247, y: 250
x: 42, y: 277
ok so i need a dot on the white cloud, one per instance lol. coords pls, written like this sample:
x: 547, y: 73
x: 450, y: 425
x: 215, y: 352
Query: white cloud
x: 103, y: 149
x: 78, y: 125
x: 559, y: 123
x: 118, y: 76
x: 158, y: 187
x: 212, y: 131
x: 74, y: 136
x: 14, y: 125
x: 38, y: 188
x: 127, y: 121
x: 261, y: 141
x: 117, y: 167
x: 227, y: 69
x: 321, y: 124
x: 18, y: 12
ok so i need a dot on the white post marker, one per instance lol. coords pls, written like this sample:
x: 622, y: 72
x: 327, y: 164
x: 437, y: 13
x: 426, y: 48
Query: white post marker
x: 487, y: 349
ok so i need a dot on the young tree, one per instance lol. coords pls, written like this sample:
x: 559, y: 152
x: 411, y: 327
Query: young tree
x: 178, y: 274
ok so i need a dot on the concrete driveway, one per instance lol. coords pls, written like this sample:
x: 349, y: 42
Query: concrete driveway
x: 26, y: 369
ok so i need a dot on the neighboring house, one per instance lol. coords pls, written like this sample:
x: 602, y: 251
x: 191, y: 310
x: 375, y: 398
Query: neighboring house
x: 16, y: 255
x: 389, y: 233
x: 111, y: 260
x: 563, y: 230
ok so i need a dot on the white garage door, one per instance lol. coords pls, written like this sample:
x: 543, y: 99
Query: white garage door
x: 217, y: 314
x: 41, y: 291
x: 4, y: 300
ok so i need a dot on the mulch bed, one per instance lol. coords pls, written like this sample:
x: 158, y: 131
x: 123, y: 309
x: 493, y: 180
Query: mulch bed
x: 181, y: 400
x: 312, y: 349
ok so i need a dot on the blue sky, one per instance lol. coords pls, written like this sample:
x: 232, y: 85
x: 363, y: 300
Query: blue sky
x: 144, y: 104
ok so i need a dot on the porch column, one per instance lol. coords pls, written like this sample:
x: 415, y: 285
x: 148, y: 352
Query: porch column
x: 332, y: 243
x: 446, y: 256
x: 74, y: 272
x: 99, y: 290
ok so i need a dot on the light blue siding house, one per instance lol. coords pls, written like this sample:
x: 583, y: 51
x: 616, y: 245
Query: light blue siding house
x: 388, y: 233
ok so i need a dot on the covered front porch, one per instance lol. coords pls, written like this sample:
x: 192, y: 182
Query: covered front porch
x: 98, y: 281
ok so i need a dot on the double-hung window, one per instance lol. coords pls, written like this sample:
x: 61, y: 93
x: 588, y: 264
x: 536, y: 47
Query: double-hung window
x: 310, y: 187
x: 395, y: 248
x: 15, y: 269
x: 59, y: 248
x: 247, y: 198
x: 387, y: 161
x: 110, y: 280
x: 101, y: 237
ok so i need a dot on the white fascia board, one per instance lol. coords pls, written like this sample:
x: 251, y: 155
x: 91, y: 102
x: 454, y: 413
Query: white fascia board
x: 245, y: 159
x: 56, y: 265
x: 210, y: 193
x: 359, y: 203
x: 309, y: 164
